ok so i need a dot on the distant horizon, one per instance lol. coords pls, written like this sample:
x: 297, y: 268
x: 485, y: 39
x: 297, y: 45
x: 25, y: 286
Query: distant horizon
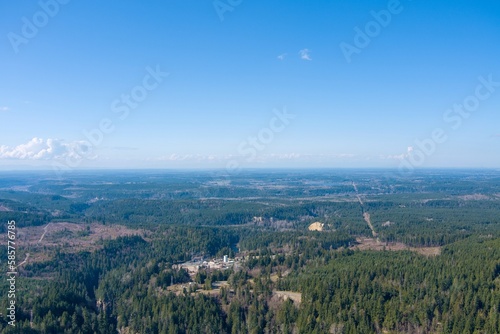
x: 250, y: 169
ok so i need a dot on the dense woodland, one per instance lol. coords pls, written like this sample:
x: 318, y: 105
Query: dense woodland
x: 126, y: 284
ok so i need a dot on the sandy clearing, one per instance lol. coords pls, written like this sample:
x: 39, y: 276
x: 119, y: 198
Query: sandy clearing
x: 295, y: 296
x: 317, y: 226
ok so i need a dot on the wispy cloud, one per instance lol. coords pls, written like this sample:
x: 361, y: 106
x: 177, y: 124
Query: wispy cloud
x: 189, y: 157
x: 305, y: 54
x: 3, y: 108
x: 282, y: 56
x: 41, y: 149
x: 401, y: 156
x: 124, y: 148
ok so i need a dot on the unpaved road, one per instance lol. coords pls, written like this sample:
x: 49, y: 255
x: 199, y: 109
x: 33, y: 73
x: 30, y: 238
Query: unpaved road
x: 366, y: 215
x: 25, y: 260
x: 44, y: 232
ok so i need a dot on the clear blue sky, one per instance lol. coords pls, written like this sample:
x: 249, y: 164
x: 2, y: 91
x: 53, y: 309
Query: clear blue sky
x: 232, y: 66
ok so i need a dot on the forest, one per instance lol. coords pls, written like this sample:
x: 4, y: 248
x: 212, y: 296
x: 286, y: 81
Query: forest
x: 203, y: 252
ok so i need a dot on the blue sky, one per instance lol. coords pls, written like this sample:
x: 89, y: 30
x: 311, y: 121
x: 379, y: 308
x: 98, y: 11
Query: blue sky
x: 235, y: 68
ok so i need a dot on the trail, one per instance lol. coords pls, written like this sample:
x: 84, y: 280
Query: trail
x: 366, y: 215
x: 25, y: 260
x: 45, y: 229
x: 44, y: 232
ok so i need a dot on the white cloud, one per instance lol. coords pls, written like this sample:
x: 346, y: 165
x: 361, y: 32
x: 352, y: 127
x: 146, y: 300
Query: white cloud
x: 40, y: 149
x: 3, y: 108
x: 282, y: 156
x: 282, y: 56
x: 124, y: 148
x: 189, y: 157
x: 401, y: 156
x: 305, y: 54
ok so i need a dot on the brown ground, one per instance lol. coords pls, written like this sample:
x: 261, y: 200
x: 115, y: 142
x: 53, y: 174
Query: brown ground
x: 373, y: 244
x: 295, y: 296
x: 474, y: 197
x: 39, y: 241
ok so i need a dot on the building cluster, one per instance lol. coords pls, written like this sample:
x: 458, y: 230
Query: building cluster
x: 198, y: 263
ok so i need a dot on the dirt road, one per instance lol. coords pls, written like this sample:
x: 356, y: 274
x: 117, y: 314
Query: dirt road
x: 366, y: 215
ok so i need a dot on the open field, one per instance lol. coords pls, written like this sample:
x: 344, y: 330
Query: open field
x: 364, y: 244
x: 295, y: 296
x: 37, y: 241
